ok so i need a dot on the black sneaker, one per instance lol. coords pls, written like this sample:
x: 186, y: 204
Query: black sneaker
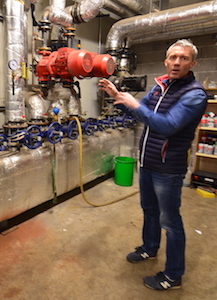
x: 161, y: 282
x: 139, y: 255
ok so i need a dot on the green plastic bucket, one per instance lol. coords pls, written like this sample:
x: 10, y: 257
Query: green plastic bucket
x: 123, y: 171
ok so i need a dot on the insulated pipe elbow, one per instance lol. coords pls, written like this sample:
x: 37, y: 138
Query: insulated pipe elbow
x: 55, y: 13
x: 193, y: 19
x: 86, y: 10
x: 36, y: 107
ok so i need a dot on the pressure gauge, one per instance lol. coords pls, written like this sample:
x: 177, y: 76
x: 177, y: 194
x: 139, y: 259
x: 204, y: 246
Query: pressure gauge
x: 13, y: 65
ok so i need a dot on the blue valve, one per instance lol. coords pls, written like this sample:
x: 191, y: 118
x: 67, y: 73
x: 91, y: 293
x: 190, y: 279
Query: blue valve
x: 56, y: 110
x: 89, y: 126
x: 112, y: 122
x: 3, y: 142
x: 129, y: 121
x: 54, y: 132
x: 33, y: 137
x: 71, y: 130
x: 101, y: 125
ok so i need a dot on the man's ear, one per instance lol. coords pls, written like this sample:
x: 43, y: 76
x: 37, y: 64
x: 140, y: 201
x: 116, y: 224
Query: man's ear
x: 165, y: 63
x: 193, y: 64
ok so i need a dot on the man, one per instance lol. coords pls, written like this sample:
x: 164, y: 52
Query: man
x: 171, y: 112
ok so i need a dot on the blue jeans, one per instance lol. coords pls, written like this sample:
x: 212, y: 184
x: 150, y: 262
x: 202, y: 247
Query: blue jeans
x: 160, y: 200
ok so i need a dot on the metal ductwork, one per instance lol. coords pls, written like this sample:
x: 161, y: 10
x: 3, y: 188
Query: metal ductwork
x: 187, y: 20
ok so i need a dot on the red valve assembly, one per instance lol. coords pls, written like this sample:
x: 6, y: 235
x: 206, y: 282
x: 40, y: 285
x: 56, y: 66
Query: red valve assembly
x: 65, y: 63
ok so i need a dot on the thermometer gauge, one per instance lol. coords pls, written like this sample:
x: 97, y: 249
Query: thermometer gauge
x: 13, y: 65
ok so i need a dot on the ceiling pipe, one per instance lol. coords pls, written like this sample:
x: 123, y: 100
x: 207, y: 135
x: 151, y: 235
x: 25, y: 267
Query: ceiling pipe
x: 55, y: 13
x: 118, y: 9
x: 137, y: 6
x: 187, y: 20
x: 87, y: 10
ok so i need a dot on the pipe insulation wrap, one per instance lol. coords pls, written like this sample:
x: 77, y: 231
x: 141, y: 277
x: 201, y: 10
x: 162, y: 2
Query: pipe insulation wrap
x: 117, y: 9
x: 28, y: 177
x: 58, y: 4
x: 138, y: 6
x: 36, y: 107
x: 191, y: 19
x: 90, y: 9
x: 16, y: 45
x: 59, y: 17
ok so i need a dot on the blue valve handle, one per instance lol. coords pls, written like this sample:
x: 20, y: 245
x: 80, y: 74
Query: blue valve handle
x: 72, y: 130
x: 54, y: 132
x: 129, y: 121
x: 33, y: 137
x: 89, y: 126
x: 3, y: 142
x: 101, y: 125
x: 123, y: 121
x: 112, y: 122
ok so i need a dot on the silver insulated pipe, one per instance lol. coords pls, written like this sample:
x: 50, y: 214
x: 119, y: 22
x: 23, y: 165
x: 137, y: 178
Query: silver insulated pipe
x: 86, y: 10
x: 55, y: 13
x: 15, y: 13
x: 136, y: 6
x: 16, y: 26
x: 187, y: 20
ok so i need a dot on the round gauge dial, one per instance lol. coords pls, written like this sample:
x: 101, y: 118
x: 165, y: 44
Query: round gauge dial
x: 13, y: 65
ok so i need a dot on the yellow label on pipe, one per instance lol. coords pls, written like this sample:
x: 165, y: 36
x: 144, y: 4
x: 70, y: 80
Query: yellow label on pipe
x: 24, y: 75
x: 22, y: 2
x: 27, y: 73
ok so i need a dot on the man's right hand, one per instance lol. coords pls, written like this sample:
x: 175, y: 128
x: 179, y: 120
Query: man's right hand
x: 108, y: 87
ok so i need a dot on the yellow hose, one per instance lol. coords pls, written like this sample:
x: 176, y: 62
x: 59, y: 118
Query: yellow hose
x: 81, y: 171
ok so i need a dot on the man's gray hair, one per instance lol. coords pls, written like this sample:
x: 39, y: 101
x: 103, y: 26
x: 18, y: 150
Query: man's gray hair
x: 184, y: 43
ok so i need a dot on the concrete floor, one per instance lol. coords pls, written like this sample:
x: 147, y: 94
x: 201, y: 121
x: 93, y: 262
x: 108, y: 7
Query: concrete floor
x: 74, y: 251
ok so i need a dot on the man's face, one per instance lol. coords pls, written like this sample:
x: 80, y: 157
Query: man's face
x: 179, y: 62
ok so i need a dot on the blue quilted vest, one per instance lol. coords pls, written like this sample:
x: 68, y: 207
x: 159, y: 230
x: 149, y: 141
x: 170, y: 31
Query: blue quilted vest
x: 169, y: 154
